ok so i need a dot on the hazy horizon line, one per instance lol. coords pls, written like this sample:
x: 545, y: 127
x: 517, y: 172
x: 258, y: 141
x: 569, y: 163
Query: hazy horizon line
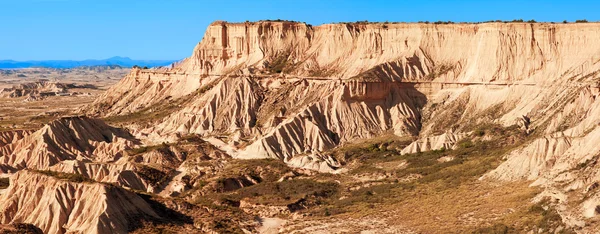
x: 87, y: 59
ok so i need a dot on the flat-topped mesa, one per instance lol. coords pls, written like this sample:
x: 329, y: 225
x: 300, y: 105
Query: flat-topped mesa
x: 451, y: 52
x: 503, y: 53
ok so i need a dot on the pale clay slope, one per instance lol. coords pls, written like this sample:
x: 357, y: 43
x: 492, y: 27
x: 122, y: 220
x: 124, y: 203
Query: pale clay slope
x: 59, y: 206
x: 75, y: 138
x: 121, y: 173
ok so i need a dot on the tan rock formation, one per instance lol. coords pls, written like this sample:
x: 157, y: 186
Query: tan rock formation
x: 315, y: 162
x: 444, y: 141
x: 120, y: 173
x: 67, y: 139
x: 59, y: 206
x: 8, y: 137
x: 399, y: 51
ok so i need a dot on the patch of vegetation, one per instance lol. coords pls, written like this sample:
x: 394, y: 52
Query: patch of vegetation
x: 361, y: 151
x: 543, y: 217
x: 471, y: 161
x: 588, y: 163
x: 279, y: 64
x: 285, y: 192
x: 465, y: 144
x: 4, y: 182
x: 209, y: 86
x: 318, y: 72
x: 22, y: 228
x: 498, y: 228
x: 154, y: 176
x: 77, y: 178
x: 149, y: 114
x: 268, y: 170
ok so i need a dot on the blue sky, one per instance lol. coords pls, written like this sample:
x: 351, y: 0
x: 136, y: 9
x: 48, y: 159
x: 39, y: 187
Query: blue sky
x: 169, y: 29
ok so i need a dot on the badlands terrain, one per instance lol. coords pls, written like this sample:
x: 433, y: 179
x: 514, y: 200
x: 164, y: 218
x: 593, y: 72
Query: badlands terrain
x: 278, y: 126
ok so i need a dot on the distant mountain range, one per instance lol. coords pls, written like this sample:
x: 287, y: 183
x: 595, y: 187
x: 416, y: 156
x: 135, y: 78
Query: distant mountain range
x: 121, y: 61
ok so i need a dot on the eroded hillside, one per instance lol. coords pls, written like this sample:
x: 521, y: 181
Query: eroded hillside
x: 282, y: 126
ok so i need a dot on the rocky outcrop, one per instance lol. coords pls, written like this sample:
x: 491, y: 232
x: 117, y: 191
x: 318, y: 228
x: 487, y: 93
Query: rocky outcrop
x: 59, y: 206
x: 531, y: 161
x: 397, y: 51
x: 120, y: 173
x: 441, y: 142
x: 316, y: 162
x: 71, y: 138
x: 8, y: 137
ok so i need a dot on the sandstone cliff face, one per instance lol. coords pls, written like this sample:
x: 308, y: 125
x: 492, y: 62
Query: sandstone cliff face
x: 58, y: 206
x: 522, y: 52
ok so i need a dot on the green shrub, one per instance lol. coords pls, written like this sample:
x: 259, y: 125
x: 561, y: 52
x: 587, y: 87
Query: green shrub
x: 499, y: 228
x: 465, y: 144
x: 4, y: 182
x: 77, y: 178
x: 153, y: 176
x: 282, y: 193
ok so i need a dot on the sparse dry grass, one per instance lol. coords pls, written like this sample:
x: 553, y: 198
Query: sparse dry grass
x: 447, y: 197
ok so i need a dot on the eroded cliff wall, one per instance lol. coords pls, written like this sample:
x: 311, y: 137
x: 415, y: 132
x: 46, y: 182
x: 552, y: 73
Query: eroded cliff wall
x: 466, y: 52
